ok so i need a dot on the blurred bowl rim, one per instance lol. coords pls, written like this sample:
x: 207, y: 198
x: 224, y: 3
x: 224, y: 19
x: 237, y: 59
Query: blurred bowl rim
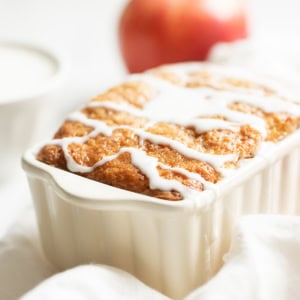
x: 62, y: 67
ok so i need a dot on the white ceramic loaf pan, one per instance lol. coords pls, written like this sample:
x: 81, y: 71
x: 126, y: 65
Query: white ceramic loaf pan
x: 171, y: 246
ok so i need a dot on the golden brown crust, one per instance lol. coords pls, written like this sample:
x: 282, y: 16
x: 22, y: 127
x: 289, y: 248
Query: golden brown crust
x: 242, y: 140
x: 136, y: 93
x: 118, y: 172
x: 96, y: 148
x: 167, y: 75
x: 227, y: 83
x: 112, y: 117
x: 168, y: 156
x: 72, y: 129
x: 204, y: 78
x: 279, y: 125
x: 53, y: 155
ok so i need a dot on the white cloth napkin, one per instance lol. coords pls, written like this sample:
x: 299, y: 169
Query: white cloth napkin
x: 93, y: 282
x: 22, y: 265
x: 263, y: 264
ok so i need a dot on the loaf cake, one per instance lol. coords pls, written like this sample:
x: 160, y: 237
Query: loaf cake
x: 174, y: 131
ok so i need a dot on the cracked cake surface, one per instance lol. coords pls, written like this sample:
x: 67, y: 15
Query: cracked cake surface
x: 173, y: 131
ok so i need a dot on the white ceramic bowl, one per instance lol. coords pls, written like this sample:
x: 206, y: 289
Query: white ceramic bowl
x: 171, y: 246
x: 21, y: 110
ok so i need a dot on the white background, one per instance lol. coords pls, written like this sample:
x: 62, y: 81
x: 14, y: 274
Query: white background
x: 86, y: 32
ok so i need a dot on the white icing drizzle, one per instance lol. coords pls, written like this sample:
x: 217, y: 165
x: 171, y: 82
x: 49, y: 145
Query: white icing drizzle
x: 181, y: 106
x: 200, y: 125
x: 99, y: 126
x: 181, y: 71
x: 147, y: 165
x: 124, y: 107
x: 243, y: 118
x: 217, y: 161
x: 191, y: 175
x: 203, y: 125
x: 268, y: 103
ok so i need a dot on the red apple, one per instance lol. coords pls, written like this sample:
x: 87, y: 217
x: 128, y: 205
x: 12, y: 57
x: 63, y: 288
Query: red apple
x: 155, y: 32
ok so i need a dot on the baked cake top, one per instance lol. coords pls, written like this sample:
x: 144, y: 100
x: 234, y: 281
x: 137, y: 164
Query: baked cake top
x: 173, y: 131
